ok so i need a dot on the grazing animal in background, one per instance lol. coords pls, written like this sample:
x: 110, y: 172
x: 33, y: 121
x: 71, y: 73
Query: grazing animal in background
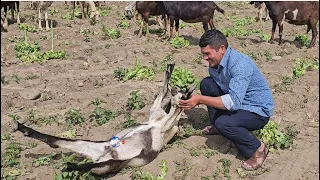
x: 153, y: 8
x: 87, y: 4
x: 13, y: 6
x: 262, y: 10
x: 146, y: 8
x: 42, y: 7
x: 294, y: 12
x: 134, y: 146
x: 191, y: 12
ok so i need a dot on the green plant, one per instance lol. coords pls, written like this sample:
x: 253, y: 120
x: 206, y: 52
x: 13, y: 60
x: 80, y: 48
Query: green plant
x: 28, y: 28
x: 14, y: 117
x: 16, y: 78
x: 137, y: 174
x: 274, y: 138
x: 135, y: 102
x: 265, y: 37
x: 190, y: 131
x: 10, y: 156
x: 123, y: 25
x: 110, y: 33
x: 268, y: 55
x: 31, y: 76
x: 53, y: 11
x: 182, y: 78
x: 120, y: 73
x: 5, y: 137
x: 44, y: 160
x: 104, y: 11
x: 73, y: 117
x: 302, y: 66
x: 302, y: 40
x: 182, y: 168
x: 139, y: 72
x: 129, y: 122
x: 31, y: 115
x: 179, y: 42
x: 286, y: 80
x: 226, y: 163
x: 85, y: 32
x: 102, y: 116
x: 3, y: 80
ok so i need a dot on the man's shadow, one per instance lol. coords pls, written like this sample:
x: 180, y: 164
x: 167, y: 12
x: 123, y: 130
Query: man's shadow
x: 198, y: 118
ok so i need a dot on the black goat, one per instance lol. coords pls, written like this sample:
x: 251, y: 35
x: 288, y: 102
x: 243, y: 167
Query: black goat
x: 14, y: 6
x: 191, y: 12
x: 294, y: 12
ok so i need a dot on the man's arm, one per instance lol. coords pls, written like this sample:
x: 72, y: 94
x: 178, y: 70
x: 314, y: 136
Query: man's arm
x: 196, y: 99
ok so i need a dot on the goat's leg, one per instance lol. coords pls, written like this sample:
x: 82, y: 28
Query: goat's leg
x: 18, y: 12
x: 165, y: 24
x: 267, y: 14
x: 177, y: 26
x: 169, y: 135
x: 145, y: 21
x: 157, y: 103
x: 273, y: 30
x: 88, y: 11
x: 280, y: 32
x: 46, y: 19
x: 82, y: 9
x: 73, y: 8
x: 93, y: 150
x: 158, y: 19
x: 260, y: 14
x: 313, y: 26
x: 141, y: 27
x: 39, y: 19
x: 12, y: 12
x: 171, y: 28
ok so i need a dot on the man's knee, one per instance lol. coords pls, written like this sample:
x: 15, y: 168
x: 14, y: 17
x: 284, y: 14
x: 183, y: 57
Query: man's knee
x: 223, y: 126
x: 209, y: 87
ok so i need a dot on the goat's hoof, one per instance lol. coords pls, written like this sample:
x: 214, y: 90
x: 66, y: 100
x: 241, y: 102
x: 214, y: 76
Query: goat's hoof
x: 14, y: 125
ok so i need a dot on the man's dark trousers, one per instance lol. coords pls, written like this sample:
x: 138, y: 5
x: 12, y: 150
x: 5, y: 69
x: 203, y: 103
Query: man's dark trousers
x: 234, y: 125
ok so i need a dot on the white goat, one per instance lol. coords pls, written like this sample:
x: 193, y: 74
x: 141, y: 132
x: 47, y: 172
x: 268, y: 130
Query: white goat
x: 262, y: 9
x: 135, y: 146
x: 87, y: 4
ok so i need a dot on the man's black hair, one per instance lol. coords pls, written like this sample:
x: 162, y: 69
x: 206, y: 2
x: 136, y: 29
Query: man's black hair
x: 214, y: 38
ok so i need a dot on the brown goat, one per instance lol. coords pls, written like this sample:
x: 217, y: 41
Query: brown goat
x: 86, y: 4
x: 147, y: 8
x: 191, y: 12
x: 294, y: 12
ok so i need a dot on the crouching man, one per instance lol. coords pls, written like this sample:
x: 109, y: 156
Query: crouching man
x: 237, y: 96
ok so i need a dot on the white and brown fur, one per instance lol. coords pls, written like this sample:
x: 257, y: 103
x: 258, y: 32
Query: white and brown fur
x: 87, y: 4
x: 142, y: 142
x: 262, y: 10
x: 294, y: 12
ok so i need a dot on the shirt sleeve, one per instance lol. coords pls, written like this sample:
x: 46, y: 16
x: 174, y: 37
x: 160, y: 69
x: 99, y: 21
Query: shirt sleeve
x: 240, y: 78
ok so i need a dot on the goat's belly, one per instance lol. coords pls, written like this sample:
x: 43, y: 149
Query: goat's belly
x: 195, y: 20
x: 296, y: 22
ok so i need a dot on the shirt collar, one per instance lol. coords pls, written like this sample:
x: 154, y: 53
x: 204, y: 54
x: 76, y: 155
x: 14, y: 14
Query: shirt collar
x: 225, y: 58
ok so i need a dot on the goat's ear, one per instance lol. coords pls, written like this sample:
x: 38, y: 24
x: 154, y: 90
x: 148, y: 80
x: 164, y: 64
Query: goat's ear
x: 251, y: 2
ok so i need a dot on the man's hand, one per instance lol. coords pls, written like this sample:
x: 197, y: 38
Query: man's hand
x: 190, y: 103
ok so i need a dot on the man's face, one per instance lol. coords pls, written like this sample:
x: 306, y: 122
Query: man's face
x: 212, y: 56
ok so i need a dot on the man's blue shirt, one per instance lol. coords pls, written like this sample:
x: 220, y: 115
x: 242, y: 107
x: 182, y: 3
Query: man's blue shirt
x: 243, y: 84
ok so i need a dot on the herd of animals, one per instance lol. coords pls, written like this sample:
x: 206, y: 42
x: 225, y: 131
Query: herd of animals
x: 293, y: 12
x: 150, y: 137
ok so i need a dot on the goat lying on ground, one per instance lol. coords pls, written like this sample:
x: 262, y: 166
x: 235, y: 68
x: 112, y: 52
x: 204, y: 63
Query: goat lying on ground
x: 294, y: 12
x: 145, y: 9
x: 191, y: 12
x: 14, y: 6
x: 135, y: 146
x: 262, y: 9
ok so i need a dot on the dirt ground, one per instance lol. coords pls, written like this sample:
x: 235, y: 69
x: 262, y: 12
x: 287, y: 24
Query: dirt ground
x: 69, y: 84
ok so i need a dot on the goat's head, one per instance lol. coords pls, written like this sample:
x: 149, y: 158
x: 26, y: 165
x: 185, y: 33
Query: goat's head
x: 128, y: 13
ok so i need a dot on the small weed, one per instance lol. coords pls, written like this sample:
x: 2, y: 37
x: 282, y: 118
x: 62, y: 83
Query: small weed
x: 5, y: 137
x: 129, y: 122
x: 73, y: 117
x: 138, y: 175
x: 110, y: 33
x: 274, y: 138
x: 16, y: 78
x: 286, y: 80
x: 4, y: 81
x: 45, y: 160
x: 198, y: 59
x: 46, y: 95
x: 28, y: 28
x: 182, y: 169
x: 302, y: 40
x: 123, y: 25
x: 31, y: 115
x: 253, y: 56
x: 31, y: 76
x: 190, y: 131
x: 139, y: 72
x: 85, y: 32
x: 302, y: 66
x: 96, y: 102
x: 226, y: 163
x: 135, y: 102
x: 53, y: 11
x: 268, y: 55
x: 96, y: 83
x: 14, y: 117
x: 201, y: 150
x: 179, y: 42
x: 265, y: 37
x: 104, y: 11
x: 120, y: 73
x: 46, y: 120
x: 102, y: 116
x: 10, y: 156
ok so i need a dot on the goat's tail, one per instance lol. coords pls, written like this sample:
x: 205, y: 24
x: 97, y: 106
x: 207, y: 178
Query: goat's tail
x: 219, y: 9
